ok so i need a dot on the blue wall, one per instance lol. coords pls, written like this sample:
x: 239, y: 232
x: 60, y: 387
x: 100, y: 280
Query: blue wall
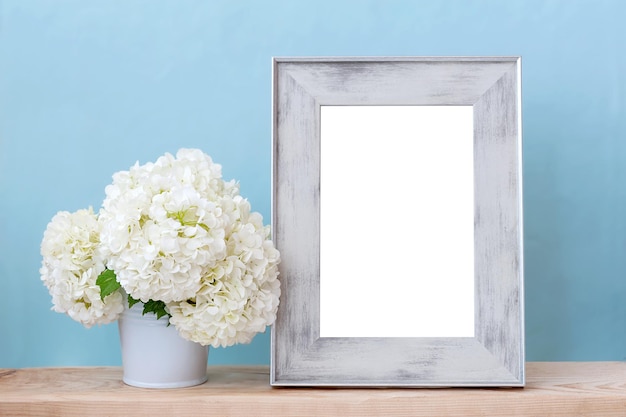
x: 90, y: 87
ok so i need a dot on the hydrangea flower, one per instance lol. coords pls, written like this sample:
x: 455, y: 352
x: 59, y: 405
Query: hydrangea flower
x: 163, y: 227
x: 71, y: 263
x: 239, y: 294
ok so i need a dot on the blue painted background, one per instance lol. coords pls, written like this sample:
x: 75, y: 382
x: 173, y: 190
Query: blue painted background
x: 89, y: 87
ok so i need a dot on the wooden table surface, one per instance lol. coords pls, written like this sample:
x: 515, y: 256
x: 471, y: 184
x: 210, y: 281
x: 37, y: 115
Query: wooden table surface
x: 553, y: 389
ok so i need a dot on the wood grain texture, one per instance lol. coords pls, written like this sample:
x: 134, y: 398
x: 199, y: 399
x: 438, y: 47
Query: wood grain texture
x: 498, y: 239
x: 495, y: 356
x: 565, y: 389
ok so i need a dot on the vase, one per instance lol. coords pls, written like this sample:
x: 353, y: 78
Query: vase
x: 154, y: 355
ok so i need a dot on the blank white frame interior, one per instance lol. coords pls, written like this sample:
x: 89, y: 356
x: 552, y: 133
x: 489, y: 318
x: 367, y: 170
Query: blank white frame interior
x: 414, y: 225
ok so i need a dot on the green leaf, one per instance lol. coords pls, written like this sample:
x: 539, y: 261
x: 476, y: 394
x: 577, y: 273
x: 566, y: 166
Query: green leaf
x: 156, y: 307
x: 107, y: 281
x: 132, y: 301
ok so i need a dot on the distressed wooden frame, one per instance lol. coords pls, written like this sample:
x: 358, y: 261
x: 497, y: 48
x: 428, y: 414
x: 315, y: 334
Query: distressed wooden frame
x: 495, y: 356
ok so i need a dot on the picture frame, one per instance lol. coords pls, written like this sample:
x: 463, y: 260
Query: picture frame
x: 480, y: 205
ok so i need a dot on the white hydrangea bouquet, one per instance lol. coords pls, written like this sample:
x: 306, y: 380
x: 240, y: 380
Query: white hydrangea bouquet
x: 176, y: 237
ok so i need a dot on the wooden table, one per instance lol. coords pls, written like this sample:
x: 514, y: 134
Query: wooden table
x: 553, y: 389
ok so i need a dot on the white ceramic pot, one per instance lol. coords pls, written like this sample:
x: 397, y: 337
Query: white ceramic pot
x: 154, y: 355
